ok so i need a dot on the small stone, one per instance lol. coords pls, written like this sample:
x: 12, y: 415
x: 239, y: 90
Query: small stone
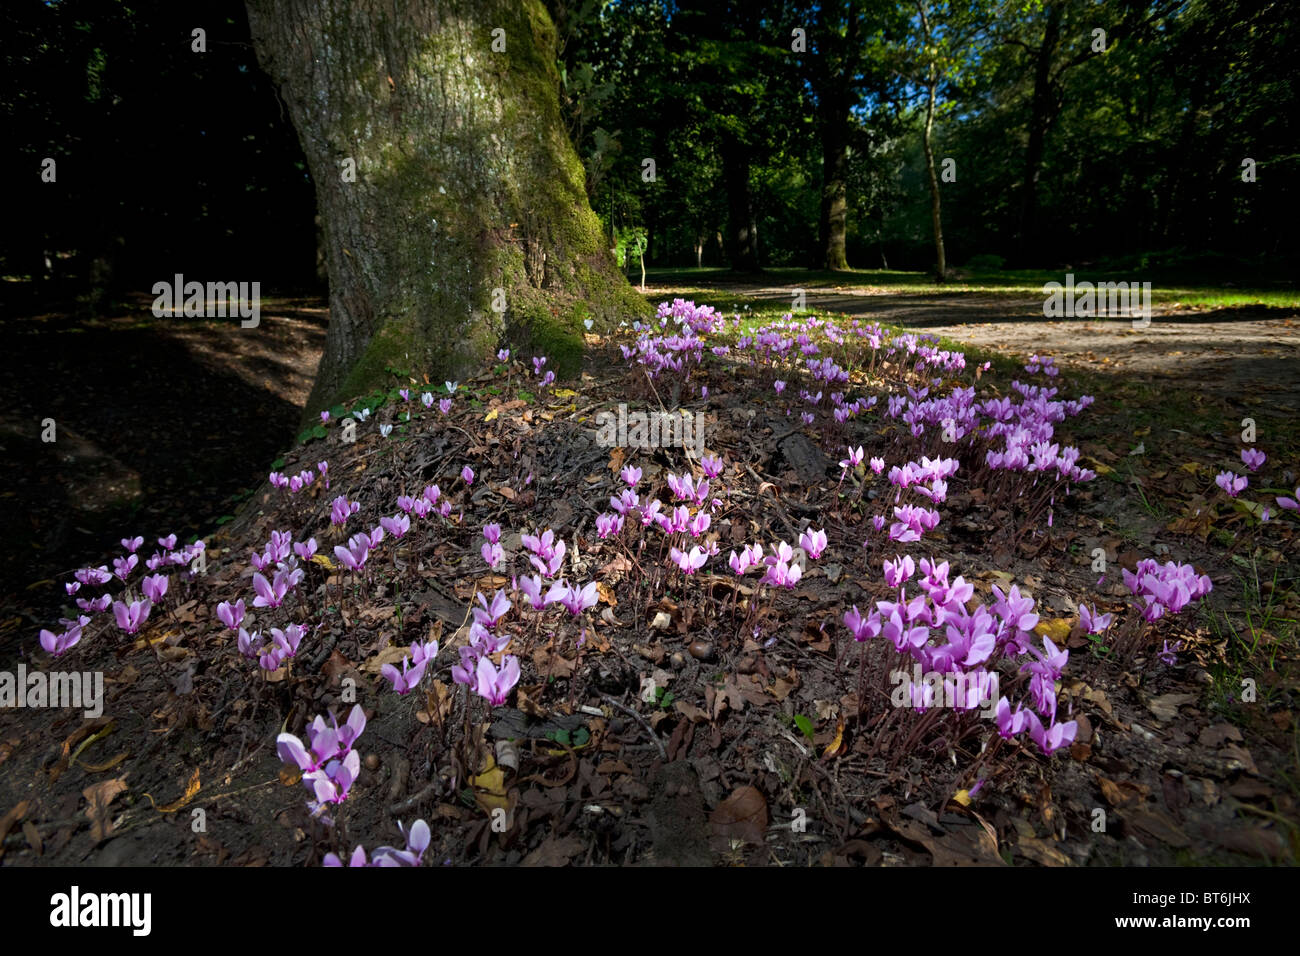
x: 678, y: 661
x: 372, y: 762
x: 701, y: 650
x: 662, y: 621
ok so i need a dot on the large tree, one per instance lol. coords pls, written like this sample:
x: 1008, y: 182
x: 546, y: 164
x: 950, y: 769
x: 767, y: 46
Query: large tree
x: 466, y: 221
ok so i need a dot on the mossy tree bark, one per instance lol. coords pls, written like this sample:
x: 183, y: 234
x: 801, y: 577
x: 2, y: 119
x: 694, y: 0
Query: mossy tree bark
x: 466, y: 222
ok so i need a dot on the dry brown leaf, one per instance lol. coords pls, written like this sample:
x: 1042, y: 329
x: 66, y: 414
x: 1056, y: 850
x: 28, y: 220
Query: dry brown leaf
x: 392, y: 654
x: 742, y: 816
x: 98, y: 799
x: 191, y: 789
x: 554, y: 851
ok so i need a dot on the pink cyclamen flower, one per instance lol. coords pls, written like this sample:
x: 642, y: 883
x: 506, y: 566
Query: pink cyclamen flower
x: 467, y: 475
x: 1091, y: 621
x: 877, y: 466
x: 231, y: 615
x: 131, y: 544
x: 493, y: 554
x: 1232, y: 484
x: 397, y: 525
x: 813, y: 542
x: 862, y: 627
x: 1052, y: 738
x: 577, y: 601
x: 305, y: 549
x: 630, y: 475
x: 532, y: 588
x: 854, y: 459
x: 1010, y: 724
x: 341, y: 509
x: 503, y: 355
x: 487, y: 615
x: 688, y: 562
x: 154, y: 587
x: 131, y: 616
x: 495, y: 685
x: 91, y: 576
x: 122, y: 567
x: 269, y: 593
x: 59, y: 644
x: 711, y: 465
x: 408, y: 678
x: 1253, y: 458
x: 898, y: 571
x: 100, y: 603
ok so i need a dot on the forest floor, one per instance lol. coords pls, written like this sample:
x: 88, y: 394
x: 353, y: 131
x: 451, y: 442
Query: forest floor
x: 676, y: 736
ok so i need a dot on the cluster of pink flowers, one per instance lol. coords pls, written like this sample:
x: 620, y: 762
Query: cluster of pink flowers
x: 129, y: 613
x: 417, y: 841
x: 969, y: 645
x: 1165, y: 587
x: 413, y: 667
x: 328, y: 763
x: 295, y: 483
x: 476, y: 670
x: 271, y: 654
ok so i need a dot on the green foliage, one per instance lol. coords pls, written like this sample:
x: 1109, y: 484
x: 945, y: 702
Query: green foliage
x: 805, y: 726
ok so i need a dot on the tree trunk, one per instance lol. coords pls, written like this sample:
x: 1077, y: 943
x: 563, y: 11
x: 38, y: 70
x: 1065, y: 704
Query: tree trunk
x: 740, y: 206
x: 1041, y: 115
x: 940, y: 259
x: 835, y: 202
x: 468, y: 197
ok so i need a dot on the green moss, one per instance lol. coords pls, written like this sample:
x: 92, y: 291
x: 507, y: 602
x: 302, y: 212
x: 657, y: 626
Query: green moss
x: 390, y: 346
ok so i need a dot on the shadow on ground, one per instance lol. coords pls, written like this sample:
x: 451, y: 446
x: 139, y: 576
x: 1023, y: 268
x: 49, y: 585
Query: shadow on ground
x: 158, y: 424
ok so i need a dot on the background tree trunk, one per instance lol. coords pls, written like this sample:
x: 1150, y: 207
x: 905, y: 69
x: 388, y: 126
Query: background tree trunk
x: 466, y: 183
x: 936, y: 217
x: 835, y: 203
x: 1042, y: 113
x: 741, y: 226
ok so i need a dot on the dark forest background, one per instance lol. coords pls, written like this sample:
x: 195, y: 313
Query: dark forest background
x: 1126, y: 154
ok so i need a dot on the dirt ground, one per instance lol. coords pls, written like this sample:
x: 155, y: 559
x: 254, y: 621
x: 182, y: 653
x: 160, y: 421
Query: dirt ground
x: 716, y: 772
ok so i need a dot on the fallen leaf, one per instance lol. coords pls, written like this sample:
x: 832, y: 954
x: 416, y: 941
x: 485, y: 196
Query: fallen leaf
x: 191, y: 788
x: 1058, y: 630
x: 554, y: 851
x: 98, y: 799
x: 836, y: 745
x: 389, y: 655
x: 742, y: 816
x: 1165, y: 707
x: 490, y: 787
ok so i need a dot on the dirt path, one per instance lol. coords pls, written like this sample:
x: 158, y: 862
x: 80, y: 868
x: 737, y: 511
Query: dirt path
x: 1226, y: 351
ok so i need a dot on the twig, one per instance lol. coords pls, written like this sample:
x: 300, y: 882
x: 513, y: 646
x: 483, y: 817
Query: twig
x: 663, y: 754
